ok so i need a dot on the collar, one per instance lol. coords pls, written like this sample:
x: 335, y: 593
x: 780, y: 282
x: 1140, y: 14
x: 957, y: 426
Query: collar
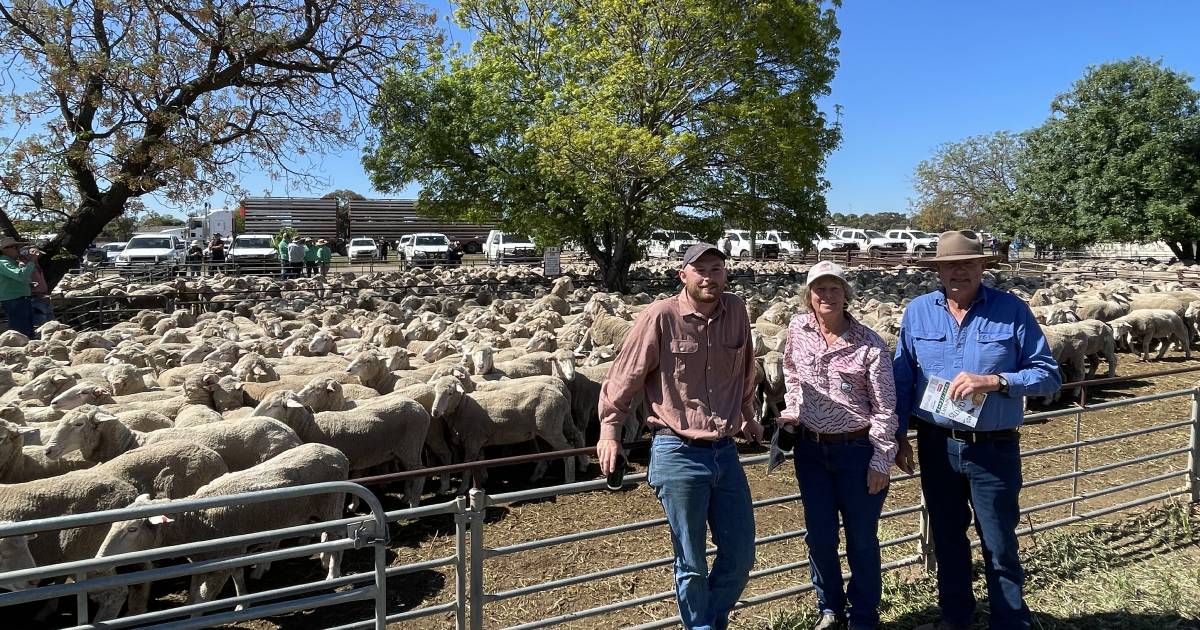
x: 686, y: 308
x: 808, y: 321
x: 981, y: 297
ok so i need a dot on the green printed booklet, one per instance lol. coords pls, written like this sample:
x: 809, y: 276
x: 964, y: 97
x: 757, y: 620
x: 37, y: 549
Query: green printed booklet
x: 937, y: 400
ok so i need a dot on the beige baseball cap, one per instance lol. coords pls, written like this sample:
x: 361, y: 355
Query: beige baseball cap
x: 825, y: 268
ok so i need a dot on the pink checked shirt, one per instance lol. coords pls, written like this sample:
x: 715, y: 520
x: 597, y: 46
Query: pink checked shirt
x: 844, y: 387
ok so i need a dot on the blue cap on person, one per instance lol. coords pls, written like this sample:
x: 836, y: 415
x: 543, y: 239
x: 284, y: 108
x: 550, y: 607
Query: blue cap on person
x: 698, y: 250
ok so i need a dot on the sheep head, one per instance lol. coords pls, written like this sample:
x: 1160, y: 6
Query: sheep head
x: 15, y: 556
x: 447, y: 394
x: 137, y: 534
x: 79, y: 427
x: 82, y: 394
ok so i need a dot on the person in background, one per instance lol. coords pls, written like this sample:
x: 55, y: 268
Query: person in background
x: 383, y: 249
x: 691, y: 356
x: 841, y: 401
x: 14, y: 286
x: 987, y: 344
x: 216, y: 252
x: 283, y: 255
x: 194, y: 258
x: 454, y: 254
x: 324, y: 254
x: 295, y: 257
x: 310, y: 257
x: 39, y: 291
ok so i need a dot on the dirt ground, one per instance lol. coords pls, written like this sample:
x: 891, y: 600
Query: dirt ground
x: 509, y: 524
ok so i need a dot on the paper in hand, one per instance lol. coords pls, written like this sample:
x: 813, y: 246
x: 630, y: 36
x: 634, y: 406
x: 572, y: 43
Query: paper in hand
x: 937, y: 400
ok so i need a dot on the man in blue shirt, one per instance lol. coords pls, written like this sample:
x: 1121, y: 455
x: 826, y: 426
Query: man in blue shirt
x: 983, y: 341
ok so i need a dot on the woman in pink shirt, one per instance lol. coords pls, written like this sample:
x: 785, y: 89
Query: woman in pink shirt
x: 841, y: 407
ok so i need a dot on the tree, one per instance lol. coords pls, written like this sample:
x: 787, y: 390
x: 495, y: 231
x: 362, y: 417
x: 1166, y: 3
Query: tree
x: 1118, y: 160
x: 967, y: 183
x: 595, y: 122
x: 157, y: 219
x: 114, y: 101
x: 342, y: 193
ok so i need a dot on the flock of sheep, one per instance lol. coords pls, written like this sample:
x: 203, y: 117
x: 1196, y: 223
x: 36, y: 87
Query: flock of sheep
x: 279, y: 383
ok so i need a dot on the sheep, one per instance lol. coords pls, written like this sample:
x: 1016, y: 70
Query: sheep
x: 99, y: 436
x: 1059, y: 313
x: 125, y: 379
x: 606, y: 330
x: 560, y: 363
x: 20, y: 463
x: 323, y: 394
x: 773, y: 386
x: 511, y: 415
x: 195, y: 415
x: 372, y: 372
x: 1099, y: 342
x: 1068, y: 346
x: 310, y: 366
x: 144, y: 420
x: 1100, y: 306
x: 172, y: 469
x: 1147, y: 325
x: 255, y: 392
x: 307, y: 464
x: 390, y: 429
x: 46, y: 386
x: 82, y: 394
x: 252, y: 368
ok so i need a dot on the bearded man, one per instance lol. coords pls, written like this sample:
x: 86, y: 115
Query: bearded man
x: 691, y: 355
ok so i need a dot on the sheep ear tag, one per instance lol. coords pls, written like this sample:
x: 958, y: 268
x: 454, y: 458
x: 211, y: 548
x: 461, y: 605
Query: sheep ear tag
x: 161, y: 519
x: 294, y: 403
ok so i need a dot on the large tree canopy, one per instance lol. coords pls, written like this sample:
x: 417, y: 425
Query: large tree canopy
x: 967, y: 183
x: 594, y: 122
x: 115, y: 100
x: 1119, y: 159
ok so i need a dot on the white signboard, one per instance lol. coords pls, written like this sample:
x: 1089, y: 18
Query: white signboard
x: 551, y: 265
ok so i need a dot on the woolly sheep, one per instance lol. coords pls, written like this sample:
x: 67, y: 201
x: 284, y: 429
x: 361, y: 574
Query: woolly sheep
x: 372, y: 372
x: 310, y: 463
x: 125, y: 379
x: 46, y: 386
x: 99, y: 436
x: 1144, y: 326
x: 82, y: 394
x: 20, y: 463
x: 195, y: 415
x: 253, y: 368
x: 322, y: 394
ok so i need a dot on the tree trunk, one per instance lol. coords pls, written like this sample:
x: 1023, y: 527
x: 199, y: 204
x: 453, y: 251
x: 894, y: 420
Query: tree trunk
x: 66, y: 249
x: 1185, y: 251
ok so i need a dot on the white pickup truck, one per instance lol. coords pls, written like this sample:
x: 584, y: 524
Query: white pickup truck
x: 669, y: 243
x: 506, y: 246
x: 872, y: 242
x: 915, y: 241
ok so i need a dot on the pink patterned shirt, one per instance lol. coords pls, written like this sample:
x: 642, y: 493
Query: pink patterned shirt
x: 844, y: 387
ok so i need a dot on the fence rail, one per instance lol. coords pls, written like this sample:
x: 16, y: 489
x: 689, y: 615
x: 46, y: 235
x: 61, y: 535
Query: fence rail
x: 473, y: 592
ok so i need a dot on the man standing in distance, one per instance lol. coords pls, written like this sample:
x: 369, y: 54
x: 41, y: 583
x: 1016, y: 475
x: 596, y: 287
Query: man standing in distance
x: 983, y: 341
x: 692, y: 357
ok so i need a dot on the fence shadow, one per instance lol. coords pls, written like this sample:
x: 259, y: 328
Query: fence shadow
x: 1115, y: 620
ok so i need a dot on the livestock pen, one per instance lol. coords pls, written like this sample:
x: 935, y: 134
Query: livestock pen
x: 580, y: 556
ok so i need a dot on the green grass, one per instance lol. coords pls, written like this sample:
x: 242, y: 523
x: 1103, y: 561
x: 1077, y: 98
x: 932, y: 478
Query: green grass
x: 1142, y: 573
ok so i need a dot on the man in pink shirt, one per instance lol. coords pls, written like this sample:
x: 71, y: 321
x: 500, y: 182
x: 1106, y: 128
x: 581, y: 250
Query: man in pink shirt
x: 692, y: 358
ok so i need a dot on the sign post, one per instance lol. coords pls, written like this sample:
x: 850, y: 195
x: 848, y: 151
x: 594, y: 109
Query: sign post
x: 551, y: 262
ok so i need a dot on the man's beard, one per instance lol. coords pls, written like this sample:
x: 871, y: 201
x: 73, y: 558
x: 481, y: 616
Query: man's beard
x: 698, y: 296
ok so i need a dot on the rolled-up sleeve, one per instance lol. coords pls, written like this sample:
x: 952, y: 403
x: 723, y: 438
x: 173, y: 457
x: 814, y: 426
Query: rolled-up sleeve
x: 881, y: 383
x: 1037, y: 373
x: 627, y: 376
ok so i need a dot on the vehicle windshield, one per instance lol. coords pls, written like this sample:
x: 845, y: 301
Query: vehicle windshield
x: 149, y: 243
x: 873, y: 234
x: 760, y: 236
x: 784, y: 236
x: 362, y: 242
x: 920, y: 234
x: 514, y: 238
x: 114, y: 247
x: 258, y: 242
x: 431, y: 240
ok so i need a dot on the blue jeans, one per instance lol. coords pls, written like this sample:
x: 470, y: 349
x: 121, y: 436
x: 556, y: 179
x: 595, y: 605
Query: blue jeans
x: 698, y: 488
x: 958, y: 478
x: 833, y: 481
x: 43, y: 311
x: 20, y: 315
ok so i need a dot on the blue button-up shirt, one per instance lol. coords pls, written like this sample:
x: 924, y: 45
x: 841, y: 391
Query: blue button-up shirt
x: 998, y: 335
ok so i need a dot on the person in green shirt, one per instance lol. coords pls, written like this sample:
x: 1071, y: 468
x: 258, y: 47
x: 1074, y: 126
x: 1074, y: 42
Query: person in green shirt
x: 310, y: 257
x: 14, y: 286
x: 323, y: 255
x: 283, y: 254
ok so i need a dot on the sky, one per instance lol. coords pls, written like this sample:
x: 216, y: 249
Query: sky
x: 916, y: 74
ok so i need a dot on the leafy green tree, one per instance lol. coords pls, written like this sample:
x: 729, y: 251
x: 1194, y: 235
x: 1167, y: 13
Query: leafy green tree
x: 158, y: 219
x: 1118, y: 160
x: 595, y: 122
x: 965, y: 184
x: 112, y: 101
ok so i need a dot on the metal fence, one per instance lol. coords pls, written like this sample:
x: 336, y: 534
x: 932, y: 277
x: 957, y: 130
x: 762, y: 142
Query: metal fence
x: 482, y: 580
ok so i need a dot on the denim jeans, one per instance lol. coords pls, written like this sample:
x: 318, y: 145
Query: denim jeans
x: 20, y: 315
x: 701, y: 488
x: 833, y: 481
x: 43, y: 310
x: 958, y: 478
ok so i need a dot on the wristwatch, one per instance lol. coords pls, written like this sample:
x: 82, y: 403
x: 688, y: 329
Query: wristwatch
x: 1003, y: 384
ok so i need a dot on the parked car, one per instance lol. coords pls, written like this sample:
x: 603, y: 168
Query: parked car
x: 833, y: 243
x: 788, y: 248
x: 737, y: 243
x: 871, y: 241
x: 254, y: 253
x: 915, y: 241
x: 362, y: 248
x: 669, y: 243
x: 427, y: 248
x: 152, y: 250
x: 501, y: 246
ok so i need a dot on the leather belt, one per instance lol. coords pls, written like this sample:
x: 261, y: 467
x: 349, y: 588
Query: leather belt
x: 695, y: 442
x: 973, y: 437
x: 830, y: 438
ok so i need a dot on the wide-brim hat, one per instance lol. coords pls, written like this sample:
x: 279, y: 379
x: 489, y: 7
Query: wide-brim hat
x: 8, y: 241
x: 959, y: 245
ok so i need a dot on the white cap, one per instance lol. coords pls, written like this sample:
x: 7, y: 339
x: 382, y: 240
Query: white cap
x: 825, y: 268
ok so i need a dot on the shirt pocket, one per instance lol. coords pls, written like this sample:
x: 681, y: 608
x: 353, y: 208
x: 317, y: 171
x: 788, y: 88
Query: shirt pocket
x: 993, y: 349
x: 929, y: 346
x: 852, y: 387
x: 682, y: 352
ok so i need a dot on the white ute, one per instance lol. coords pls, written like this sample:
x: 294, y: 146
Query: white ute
x: 427, y: 248
x: 872, y: 242
x: 915, y: 241
x: 151, y: 250
x: 506, y: 246
x: 669, y: 243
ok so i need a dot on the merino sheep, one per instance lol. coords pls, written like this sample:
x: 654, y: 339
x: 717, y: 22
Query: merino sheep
x: 125, y: 379
x: 195, y: 415
x: 310, y: 463
x: 46, y: 386
x: 99, y: 436
x: 82, y: 394
x: 253, y: 368
x: 20, y: 463
x: 322, y: 394
x: 1144, y: 326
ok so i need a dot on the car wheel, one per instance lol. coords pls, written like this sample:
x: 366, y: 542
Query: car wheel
x: 472, y: 247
